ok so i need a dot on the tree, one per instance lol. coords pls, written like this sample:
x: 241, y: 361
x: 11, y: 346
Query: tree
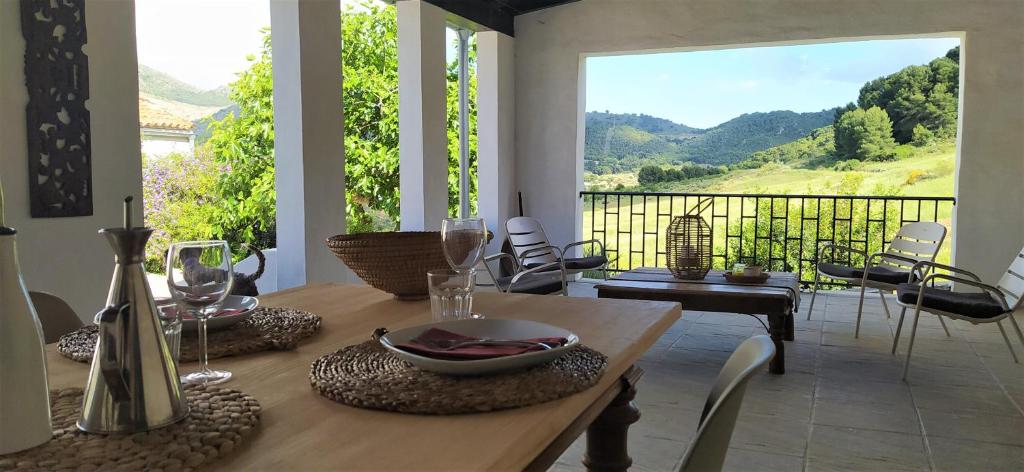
x: 865, y: 135
x: 650, y: 175
x: 925, y: 94
x: 922, y: 136
x: 244, y: 143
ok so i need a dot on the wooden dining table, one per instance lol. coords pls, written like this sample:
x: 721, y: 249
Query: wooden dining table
x: 301, y: 430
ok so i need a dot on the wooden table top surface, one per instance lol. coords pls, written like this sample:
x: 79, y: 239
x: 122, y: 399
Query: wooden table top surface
x: 779, y: 284
x: 300, y: 430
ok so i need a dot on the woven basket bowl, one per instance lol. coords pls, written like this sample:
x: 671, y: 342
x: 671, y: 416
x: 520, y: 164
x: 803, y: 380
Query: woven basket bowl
x: 395, y: 262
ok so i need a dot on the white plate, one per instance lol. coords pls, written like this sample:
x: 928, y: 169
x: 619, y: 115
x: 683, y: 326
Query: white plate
x: 485, y: 328
x: 221, y: 320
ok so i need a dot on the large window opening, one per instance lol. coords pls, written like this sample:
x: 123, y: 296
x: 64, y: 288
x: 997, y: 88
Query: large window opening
x: 793, y: 144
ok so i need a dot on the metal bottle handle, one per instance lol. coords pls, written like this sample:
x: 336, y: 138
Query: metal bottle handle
x: 110, y: 364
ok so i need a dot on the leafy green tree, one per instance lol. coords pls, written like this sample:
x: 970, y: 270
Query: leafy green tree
x: 650, y: 175
x: 922, y: 136
x: 865, y: 135
x: 925, y: 94
x: 244, y: 143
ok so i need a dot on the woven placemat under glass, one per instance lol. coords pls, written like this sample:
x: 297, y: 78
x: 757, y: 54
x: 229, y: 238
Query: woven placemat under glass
x: 368, y: 376
x: 268, y: 329
x: 219, y: 420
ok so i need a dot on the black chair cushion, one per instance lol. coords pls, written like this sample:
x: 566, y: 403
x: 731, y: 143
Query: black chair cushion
x: 578, y: 263
x: 970, y: 304
x: 876, y: 274
x: 537, y: 285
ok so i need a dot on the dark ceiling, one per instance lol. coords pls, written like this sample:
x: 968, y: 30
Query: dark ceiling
x: 498, y: 15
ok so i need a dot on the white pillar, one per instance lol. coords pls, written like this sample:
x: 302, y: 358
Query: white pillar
x: 309, y: 144
x: 422, y: 122
x: 496, y: 131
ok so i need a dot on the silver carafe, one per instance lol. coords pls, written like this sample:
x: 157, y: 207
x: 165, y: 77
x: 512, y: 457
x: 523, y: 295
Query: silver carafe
x: 133, y: 383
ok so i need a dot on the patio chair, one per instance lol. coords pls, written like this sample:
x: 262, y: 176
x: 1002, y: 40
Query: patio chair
x: 717, y: 421
x: 532, y: 248
x: 992, y: 304
x: 884, y: 271
x: 56, y: 316
x: 540, y: 280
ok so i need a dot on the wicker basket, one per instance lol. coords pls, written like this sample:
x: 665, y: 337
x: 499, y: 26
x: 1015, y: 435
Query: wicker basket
x: 688, y: 244
x: 395, y: 262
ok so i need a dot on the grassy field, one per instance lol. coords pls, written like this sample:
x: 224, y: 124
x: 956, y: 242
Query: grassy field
x: 925, y: 172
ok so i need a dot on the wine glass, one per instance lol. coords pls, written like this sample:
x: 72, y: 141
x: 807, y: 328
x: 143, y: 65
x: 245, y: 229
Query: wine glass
x: 199, y: 275
x: 463, y: 240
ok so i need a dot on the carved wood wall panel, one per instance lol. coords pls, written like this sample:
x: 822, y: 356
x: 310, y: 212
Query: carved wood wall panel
x: 57, y: 78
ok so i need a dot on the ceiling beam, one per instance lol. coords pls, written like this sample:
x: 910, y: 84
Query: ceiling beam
x: 498, y: 15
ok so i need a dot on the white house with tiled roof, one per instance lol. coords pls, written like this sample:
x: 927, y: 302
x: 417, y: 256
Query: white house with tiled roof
x: 163, y: 131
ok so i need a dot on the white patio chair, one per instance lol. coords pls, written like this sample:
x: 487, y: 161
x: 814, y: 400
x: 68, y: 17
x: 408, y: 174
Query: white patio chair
x: 539, y: 280
x: 532, y: 248
x: 884, y: 271
x: 717, y: 421
x: 992, y: 305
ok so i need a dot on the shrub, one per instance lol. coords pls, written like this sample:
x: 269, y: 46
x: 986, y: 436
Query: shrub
x: 847, y: 165
x: 922, y: 136
x: 650, y: 175
x: 914, y: 176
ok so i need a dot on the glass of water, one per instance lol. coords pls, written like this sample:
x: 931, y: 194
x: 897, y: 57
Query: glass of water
x: 451, y: 294
x: 170, y: 318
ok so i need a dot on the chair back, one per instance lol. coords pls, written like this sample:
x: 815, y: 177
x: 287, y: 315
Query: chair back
x: 919, y: 241
x: 707, y: 452
x: 1012, y: 282
x: 56, y: 316
x: 526, y: 233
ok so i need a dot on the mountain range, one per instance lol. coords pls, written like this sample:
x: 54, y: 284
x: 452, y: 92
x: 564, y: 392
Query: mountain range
x: 617, y: 142
x: 163, y: 85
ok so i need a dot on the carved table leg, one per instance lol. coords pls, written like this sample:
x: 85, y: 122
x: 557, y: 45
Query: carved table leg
x: 777, y: 329
x: 606, y: 436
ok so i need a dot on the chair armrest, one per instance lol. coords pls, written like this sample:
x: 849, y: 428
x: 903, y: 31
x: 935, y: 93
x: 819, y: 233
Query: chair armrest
x: 973, y: 283
x: 924, y: 266
x: 834, y: 246
x: 497, y: 257
x: 526, y: 254
x: 544, y: 268
x: 580, y: 243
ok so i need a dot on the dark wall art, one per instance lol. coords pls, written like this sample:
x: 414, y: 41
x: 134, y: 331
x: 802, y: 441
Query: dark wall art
x: 57, y: 77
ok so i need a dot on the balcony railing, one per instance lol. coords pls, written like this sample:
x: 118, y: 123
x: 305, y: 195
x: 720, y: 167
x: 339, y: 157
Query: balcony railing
x: 781, y: 231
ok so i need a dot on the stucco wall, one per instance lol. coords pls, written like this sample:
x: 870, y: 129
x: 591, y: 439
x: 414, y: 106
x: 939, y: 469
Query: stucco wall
x: 989, y: 218
x: 65, y: 256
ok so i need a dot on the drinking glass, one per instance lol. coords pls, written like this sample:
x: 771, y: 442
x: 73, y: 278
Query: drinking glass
x: 199, y: 275
x: 451, y: 294
x: 463, y: 240
x: 170, y: 319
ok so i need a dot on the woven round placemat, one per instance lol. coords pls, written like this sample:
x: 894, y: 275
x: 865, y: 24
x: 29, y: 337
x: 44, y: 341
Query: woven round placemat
x: 219, y: 420
x: 368, y: 376
x: 268, y: 329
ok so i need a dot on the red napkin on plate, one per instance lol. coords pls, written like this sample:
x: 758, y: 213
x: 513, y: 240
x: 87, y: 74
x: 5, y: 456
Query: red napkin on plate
x: 430, y: 343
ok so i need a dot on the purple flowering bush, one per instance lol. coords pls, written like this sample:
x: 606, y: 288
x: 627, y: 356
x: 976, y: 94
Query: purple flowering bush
x: 178, y: 190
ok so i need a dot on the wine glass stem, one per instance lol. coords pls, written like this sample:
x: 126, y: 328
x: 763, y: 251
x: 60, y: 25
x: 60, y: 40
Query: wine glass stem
x: 203, y: 366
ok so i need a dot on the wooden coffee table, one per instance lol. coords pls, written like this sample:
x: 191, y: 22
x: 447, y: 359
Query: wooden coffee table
x: 778, y: 298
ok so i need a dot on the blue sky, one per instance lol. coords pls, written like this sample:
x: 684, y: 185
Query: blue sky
x: 705, y: 88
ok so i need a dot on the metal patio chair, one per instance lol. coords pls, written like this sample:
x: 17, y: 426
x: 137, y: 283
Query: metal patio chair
x: 717, y: 421
x: 541, y: 280
x: 992, y: 305
x: 884, y: 271
x: 532, y: 248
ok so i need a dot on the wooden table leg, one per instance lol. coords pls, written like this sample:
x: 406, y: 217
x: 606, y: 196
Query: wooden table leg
x: 606, y: 436
x: 790, y: 329
x: 777, y: 329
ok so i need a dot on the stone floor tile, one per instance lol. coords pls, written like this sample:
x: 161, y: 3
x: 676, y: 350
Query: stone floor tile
x: 742, y: 460
x: 839, y: 448
x: 955, y: 455
x: 652, y: 454
x: 1002, y: 429
x: 894, y: 417
x: 964, y: 399
x: 770, y: 434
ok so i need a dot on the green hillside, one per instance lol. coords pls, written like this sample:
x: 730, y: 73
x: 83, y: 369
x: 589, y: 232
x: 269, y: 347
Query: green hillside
x: 162, y: 85
x: 617, y: 143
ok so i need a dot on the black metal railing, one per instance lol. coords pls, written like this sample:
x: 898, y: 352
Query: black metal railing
x: 782, y: 232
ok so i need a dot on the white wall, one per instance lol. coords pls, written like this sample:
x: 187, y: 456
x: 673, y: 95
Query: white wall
x: 65, y: 256
x: 989, y: 217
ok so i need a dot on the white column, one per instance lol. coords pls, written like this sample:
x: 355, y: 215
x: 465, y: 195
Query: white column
x: 496, y: 131
x: 308, y: 139
x: 422, y: 135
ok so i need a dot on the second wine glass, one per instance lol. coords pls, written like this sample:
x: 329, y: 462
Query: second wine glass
x: 463, y: 240
x: 199, y: 276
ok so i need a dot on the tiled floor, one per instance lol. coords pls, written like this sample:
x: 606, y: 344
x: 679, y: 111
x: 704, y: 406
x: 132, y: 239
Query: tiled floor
x: 841, y: 404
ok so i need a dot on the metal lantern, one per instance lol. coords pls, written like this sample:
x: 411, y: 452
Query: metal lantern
x: 688, y: 244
